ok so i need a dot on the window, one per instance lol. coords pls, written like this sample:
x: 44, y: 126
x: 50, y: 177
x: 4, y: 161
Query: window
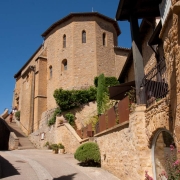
x: 104, y: 39
x: 83, y: 36
x: 50, y: 72
x: 64, y: 41
x: 64, y: 65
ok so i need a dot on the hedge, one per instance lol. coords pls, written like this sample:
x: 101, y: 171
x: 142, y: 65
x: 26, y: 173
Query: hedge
x: 109, y: 81
x: 69, y: 99
x: 88, y: 152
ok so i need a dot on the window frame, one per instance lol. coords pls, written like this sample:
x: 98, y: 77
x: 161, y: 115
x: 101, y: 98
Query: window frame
x: 50, y: 72
x: 104, y: 39
x: 83, y: 36
x: 64, y: 65
x: 64, y: 41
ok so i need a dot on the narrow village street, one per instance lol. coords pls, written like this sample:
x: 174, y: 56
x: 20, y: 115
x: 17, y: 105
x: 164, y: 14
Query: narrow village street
x: 36, y: 164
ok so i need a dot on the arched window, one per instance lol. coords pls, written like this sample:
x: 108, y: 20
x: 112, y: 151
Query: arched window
x: 83, y: 36
x: 50, y: 72
x: 64, y: 65
x: 104, y: 39
x: 64, y: 41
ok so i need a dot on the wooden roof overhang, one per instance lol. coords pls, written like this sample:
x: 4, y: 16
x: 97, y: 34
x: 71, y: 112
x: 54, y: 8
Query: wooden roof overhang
x: 137, y: 8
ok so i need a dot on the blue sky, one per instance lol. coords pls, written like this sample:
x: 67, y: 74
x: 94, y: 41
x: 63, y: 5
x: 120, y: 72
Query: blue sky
x: 23, y: 21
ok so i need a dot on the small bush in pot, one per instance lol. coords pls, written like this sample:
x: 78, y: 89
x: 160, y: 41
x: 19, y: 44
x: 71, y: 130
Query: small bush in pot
x: 55, y: 148
x: 88, y: 154
x: 61, y: 148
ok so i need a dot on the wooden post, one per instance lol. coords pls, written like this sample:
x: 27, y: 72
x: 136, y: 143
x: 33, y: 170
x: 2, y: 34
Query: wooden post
x: 138, y: 60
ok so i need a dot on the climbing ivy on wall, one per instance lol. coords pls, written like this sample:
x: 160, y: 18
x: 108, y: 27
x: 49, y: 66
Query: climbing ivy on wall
x: 109, y: 81
x: 101, y: 93
x: 69, y: 99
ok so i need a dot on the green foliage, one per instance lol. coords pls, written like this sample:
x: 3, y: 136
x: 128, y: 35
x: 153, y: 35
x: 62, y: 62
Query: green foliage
x: 102, y: 83
x: 54, y: 147
x: 47, y: 144
x: 93, y: 119
x: 101, y: 93
x: 109, y: 81
x: 131, y: 95
x: 53, y: 119
x: 17, y: 115
x: 88, y: 152
x: 70, y: 117
x: 61, y: 146
x: 69, y: 99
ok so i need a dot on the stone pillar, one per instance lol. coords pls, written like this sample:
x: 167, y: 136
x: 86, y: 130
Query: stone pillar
x: 138, y: 60
x: 140, y: 141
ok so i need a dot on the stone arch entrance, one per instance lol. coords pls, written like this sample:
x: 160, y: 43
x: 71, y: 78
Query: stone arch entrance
x: 160, y: 150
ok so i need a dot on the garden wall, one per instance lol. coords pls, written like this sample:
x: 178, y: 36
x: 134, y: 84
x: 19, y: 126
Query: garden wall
x: 124, y: 149
x: 64, y: 134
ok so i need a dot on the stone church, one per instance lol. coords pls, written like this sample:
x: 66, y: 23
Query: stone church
x: 76, y: 48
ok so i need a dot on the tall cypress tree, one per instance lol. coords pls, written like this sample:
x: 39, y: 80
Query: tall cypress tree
x: 101, y: 89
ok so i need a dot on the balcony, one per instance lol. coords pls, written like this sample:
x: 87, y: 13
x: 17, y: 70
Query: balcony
x: 155, y: 83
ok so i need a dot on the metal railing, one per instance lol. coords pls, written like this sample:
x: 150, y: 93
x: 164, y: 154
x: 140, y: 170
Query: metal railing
x: 155, y: 83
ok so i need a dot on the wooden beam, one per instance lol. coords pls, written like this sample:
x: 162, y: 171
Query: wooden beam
x: 137, y: 59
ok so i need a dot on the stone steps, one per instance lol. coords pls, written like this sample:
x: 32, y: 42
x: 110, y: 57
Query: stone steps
x: 24, y: 142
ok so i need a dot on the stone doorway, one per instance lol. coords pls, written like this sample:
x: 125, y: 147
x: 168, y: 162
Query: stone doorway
x: 161, y: 150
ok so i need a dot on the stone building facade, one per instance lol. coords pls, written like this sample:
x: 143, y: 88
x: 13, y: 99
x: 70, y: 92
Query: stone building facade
x: 75, y: 50
x: 139, y: 145
x: 159, y: 126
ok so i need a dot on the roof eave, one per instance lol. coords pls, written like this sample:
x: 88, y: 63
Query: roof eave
x: 74, y: 14
x: 19, y: 72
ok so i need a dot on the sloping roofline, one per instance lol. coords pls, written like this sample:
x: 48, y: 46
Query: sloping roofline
x: 19, y: 72
x: 82, y: 14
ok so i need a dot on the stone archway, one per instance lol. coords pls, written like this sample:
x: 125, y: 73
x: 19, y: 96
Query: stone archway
x: 160, y: 150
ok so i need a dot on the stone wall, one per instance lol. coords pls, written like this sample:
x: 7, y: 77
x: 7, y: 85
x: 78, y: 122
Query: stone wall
x: 120, y: 59
x: 157, y: 116
x: 171, y: 44
x: 61, y: 134
x: 13, y: 141
x: 124, y: 151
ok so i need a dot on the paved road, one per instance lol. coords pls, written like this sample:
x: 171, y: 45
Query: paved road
x: 44, y: 165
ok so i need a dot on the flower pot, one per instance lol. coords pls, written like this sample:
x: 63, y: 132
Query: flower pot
x: 61, y: 151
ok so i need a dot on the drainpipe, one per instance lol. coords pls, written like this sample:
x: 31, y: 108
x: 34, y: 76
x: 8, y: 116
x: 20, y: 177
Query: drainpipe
x: 33, y: 68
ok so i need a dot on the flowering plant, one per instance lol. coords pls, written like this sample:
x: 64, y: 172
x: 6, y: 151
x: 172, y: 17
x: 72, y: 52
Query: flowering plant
x: 172, y: 165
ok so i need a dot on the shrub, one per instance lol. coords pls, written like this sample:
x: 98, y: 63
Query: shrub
x: 17, y: 115
x: 70, y: 117
x: 100, y: 93
x: 88, y: 153
x: 69, y: 99
x: 54, y: 147
x: 109, y: 81
x: 53, y: 119
x: 47, y: 144
x: 61, y: 146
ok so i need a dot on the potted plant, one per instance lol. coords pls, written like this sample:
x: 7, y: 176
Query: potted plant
x: 61, y: 148
x: 47, y: 144
x: 55, y: 148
